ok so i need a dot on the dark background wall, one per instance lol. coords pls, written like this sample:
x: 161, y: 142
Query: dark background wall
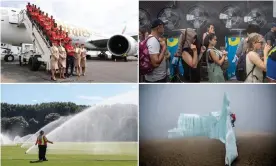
x: 212, y: 9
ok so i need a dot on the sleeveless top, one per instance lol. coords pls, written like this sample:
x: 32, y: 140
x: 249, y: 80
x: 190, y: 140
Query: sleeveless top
x: 256, y: 75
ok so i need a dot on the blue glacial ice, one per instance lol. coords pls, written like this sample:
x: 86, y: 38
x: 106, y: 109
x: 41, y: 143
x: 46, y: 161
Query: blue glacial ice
x: 215, y: 125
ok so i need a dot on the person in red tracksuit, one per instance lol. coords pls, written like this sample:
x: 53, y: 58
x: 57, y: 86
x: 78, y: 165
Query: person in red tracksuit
x: 55, y: 27
x: 53, y: 36
x: 29, y: 9
x: 47, y: 27
x: 38, y: 18
x: 66, y: 38
x: 45, y: 23
x: 61, y: 35
x: 41, y: 20
x: 34, y: 15
x: 70, y: 58
x: 52, y: 19
x: 233, y: 119
x: 58, y: 37
x: 42, y: 146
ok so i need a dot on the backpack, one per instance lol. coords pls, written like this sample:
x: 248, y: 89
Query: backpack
x: 241, y: 68
x: 145, y: 66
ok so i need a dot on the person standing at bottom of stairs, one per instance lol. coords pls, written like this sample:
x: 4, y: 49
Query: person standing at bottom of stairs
x: 83, y: 59
x: 54, y: 60
x: 62, y: 59
x: 77, y: 59
x: 70, y: 57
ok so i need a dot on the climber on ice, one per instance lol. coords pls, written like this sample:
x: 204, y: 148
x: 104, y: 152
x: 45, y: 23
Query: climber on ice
x: 233, y: 119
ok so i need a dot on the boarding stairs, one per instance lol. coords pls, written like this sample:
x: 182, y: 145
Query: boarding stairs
x: 42, y: 47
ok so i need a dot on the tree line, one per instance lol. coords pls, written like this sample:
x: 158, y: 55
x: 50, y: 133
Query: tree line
x: 18, y: 119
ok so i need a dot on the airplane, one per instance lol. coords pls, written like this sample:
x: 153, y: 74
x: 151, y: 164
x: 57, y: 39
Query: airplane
x: 117, y: 45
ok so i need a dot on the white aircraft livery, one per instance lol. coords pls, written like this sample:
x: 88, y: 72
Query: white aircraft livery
x: 14, y: 32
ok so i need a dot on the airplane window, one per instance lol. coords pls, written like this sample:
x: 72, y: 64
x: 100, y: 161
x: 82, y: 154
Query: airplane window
x: 13, y: 10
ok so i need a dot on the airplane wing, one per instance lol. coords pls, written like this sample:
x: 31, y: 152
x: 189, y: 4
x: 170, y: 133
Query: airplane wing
x: 100, y: 42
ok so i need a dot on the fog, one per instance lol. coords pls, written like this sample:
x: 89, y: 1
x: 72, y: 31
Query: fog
x: 160, y: 105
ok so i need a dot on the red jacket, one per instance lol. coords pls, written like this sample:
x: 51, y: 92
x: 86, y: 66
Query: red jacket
x: 69, y: 49
x: 29, y: 8
x: 233, y: 116
x: 66, y: 39
x: 34, y: 15
x: 53, y: 36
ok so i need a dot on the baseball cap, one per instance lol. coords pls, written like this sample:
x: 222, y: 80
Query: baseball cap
x: 156, y: 23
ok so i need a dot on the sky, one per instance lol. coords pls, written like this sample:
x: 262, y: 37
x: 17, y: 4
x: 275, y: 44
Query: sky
x: 160, y: 105
x: 82, y: 94
x: 101, y: 16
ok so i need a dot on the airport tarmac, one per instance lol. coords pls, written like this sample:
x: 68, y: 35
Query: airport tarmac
x: 97, y: 71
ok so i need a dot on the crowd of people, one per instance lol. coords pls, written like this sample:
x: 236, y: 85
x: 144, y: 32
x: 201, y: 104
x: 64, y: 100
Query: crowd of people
x: 257, y: 51
x: 63, y: 53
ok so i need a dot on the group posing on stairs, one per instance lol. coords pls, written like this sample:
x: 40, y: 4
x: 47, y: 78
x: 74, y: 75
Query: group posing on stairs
x: 63, y: 53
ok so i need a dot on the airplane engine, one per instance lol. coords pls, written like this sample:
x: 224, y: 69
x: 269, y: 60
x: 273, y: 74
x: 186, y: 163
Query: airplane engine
x: 120, y: 44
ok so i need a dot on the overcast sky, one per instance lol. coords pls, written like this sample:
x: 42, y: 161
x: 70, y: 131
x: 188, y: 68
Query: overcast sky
x: 160, y: 106
x: 103, y: 16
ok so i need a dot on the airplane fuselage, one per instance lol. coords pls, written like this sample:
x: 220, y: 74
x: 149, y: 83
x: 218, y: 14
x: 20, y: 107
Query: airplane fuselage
x: 15, y: 35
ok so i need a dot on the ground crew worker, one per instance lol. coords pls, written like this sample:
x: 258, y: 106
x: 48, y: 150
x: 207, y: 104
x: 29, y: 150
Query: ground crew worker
x: 125, y: 57
x: 83, y: 59
x: 42, y: 146
x: 233, y: 119
x: 70, y: 57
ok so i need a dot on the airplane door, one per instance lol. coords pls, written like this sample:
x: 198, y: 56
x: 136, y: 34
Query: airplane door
x: 13, y: 17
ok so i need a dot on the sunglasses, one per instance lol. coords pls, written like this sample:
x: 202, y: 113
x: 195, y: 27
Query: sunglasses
x: 260, y: 42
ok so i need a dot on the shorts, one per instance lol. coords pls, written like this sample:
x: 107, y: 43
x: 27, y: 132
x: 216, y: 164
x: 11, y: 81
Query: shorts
x: 271, y: 69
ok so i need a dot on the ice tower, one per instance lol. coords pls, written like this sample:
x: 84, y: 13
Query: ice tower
x: 216, y: 125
